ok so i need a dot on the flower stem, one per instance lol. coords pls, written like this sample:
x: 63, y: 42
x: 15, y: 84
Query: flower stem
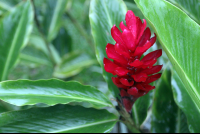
x: 126, y: 119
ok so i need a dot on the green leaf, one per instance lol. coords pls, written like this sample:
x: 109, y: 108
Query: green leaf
x: 103, y: 15
x: 164, y: 109
x: 181, y: 125
x: 57, y: 119
x: 179, y: 37
x: 2, y: 109
x: 34, y: 57
x: 38, y: 42
x: 63, y: 42
x: 185, y: 102
x: 15, y: 28
x: 140, y: 109
x: 191, y: 7
x: 51, y: 92
x: 9, y: 3
x: 72, y: 64
x: 52, y: 16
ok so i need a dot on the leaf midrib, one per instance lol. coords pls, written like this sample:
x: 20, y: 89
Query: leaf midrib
x: 107, y: 14
x: 82, y: 126
x: 55, y: 16
x: 60, y: 96
x: 12, y: 48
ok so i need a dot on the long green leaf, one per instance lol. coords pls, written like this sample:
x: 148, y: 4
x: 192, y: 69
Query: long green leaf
x: 103, y: 15
x: 51, y: 92
x: 57, y: 119
x: 185, y: 102
x: 191, y: 7
x: 15, y: 28
x: 179, y: 37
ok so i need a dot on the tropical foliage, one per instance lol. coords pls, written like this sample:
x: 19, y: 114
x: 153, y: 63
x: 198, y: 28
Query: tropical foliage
x: 52, y: 76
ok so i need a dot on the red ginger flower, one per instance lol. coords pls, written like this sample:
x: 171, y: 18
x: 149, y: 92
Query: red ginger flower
x: 133, y: 73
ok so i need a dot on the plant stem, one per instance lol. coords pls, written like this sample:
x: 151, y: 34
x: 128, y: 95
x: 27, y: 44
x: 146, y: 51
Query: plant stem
x: 127, y: 120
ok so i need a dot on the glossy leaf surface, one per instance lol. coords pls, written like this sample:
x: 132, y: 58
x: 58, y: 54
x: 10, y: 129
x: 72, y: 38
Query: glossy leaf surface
x: 191, y: 7
x: 15, y: 28
x: 57, y: 119
x: 72, y: 64
x: 103, y: 15
x: 164, y: 109
x: 179, y: 37
x: 51, y: 92
x: 185, y: 102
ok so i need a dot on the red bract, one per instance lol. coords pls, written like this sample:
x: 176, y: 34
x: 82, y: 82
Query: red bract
x: 133, y: 74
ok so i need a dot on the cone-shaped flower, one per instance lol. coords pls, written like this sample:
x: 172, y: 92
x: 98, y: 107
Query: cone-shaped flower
x: 133, y: 73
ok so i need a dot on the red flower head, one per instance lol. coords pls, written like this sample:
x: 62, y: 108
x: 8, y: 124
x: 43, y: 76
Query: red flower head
x: 133, y: 74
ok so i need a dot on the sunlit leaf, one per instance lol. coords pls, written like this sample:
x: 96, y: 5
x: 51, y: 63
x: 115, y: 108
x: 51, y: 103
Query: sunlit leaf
x: 51, y: 92
x: 15, y: 28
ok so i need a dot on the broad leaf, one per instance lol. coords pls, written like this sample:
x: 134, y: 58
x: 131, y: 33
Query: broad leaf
x: 164, y: 109
x: 15, y: 28
x: 103, y: 15
x: 179, y: 37
x: 185, y: 102
x: 57, y: 119
x: 191, y: 7
x: 72, y: 63
x: 51, y: 92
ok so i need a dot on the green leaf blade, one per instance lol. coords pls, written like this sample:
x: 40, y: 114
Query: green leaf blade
x: 15, y: 28
x: 57, y: 119
x: 103, y: 15
x: 185, y: 102
x: 191, y: 7
x: 51, y: 92
x: 179, y: 37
